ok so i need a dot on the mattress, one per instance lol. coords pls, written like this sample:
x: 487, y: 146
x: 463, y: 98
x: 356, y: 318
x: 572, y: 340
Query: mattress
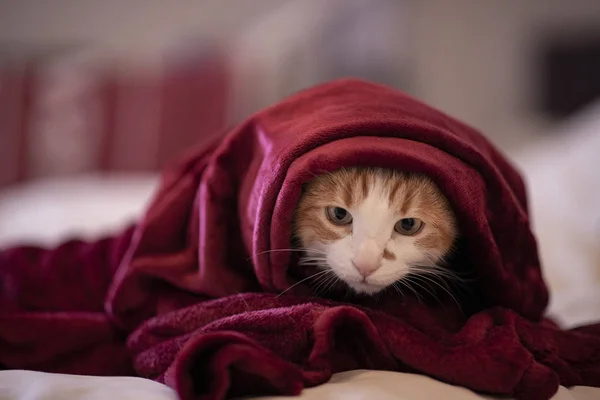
x: 351, y: 385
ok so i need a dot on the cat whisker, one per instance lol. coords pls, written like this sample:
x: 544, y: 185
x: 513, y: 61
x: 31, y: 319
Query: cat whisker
x: 403, y: 282
x: 305, y: 279
x: 326, y: 282
x: 313, y: 261
x: 322, y: 281
x: 458, y: 274
x: 332, y: 283
x: 302, y: 249
x: 416, y: 276
x: 312, y: 264
x: 448, y: 278
x: 427, y: 273
x: 439, y: 271
x: 287, y: 250
x: 398, y: 290
x: 317, y: 286
x: 424, y: 288
x: 454, y: 275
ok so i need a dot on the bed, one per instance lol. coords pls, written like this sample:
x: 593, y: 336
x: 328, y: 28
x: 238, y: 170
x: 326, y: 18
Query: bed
x: 92, y: 205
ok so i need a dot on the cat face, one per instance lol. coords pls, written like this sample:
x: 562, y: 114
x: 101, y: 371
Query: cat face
x: 372, y: 227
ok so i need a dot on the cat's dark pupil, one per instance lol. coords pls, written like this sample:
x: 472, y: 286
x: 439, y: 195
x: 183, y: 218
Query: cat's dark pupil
x: 407, y: 223
x: 340, y: 213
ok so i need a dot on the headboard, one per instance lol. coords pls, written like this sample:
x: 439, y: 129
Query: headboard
x: 69, y: 116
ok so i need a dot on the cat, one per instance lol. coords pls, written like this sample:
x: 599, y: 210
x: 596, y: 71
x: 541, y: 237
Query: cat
x: 372, y: 227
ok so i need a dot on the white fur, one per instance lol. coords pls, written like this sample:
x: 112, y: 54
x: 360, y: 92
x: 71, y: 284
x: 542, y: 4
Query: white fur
x: 372, y: 232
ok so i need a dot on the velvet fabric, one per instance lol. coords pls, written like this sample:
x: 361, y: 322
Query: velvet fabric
x: 192, y: 295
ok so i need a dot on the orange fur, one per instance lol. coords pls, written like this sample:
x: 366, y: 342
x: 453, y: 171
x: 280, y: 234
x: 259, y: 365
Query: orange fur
x: 412, y: 195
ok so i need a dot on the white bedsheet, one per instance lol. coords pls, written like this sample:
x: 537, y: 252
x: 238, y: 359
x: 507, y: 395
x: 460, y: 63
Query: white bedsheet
x: 89, y: 206
x: 30, y: 385
x: 563, y: 182
x: 351, y: 385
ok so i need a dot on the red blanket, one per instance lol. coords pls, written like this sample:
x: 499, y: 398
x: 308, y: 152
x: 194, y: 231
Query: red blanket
x: 190, y: 296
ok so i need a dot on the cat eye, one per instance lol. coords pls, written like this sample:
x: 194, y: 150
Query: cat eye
x: 408, y: 226
x: 339, y: 215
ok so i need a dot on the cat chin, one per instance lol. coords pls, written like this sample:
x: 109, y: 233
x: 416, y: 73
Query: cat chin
x: 365, y: 288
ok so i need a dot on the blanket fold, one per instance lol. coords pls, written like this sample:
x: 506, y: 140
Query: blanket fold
x: 202, y: 295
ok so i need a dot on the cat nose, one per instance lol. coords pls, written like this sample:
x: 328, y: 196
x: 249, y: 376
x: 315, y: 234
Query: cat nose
x: 368, y: 258
x: 366, y: 268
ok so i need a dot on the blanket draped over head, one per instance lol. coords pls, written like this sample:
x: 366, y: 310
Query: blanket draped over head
x: 190, y: 295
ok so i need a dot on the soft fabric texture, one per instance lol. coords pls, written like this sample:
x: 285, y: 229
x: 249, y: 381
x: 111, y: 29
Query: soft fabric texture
x: 190, y: 295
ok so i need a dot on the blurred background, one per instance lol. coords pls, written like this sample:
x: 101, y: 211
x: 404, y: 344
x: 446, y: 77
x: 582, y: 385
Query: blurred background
x: 96, y: 96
